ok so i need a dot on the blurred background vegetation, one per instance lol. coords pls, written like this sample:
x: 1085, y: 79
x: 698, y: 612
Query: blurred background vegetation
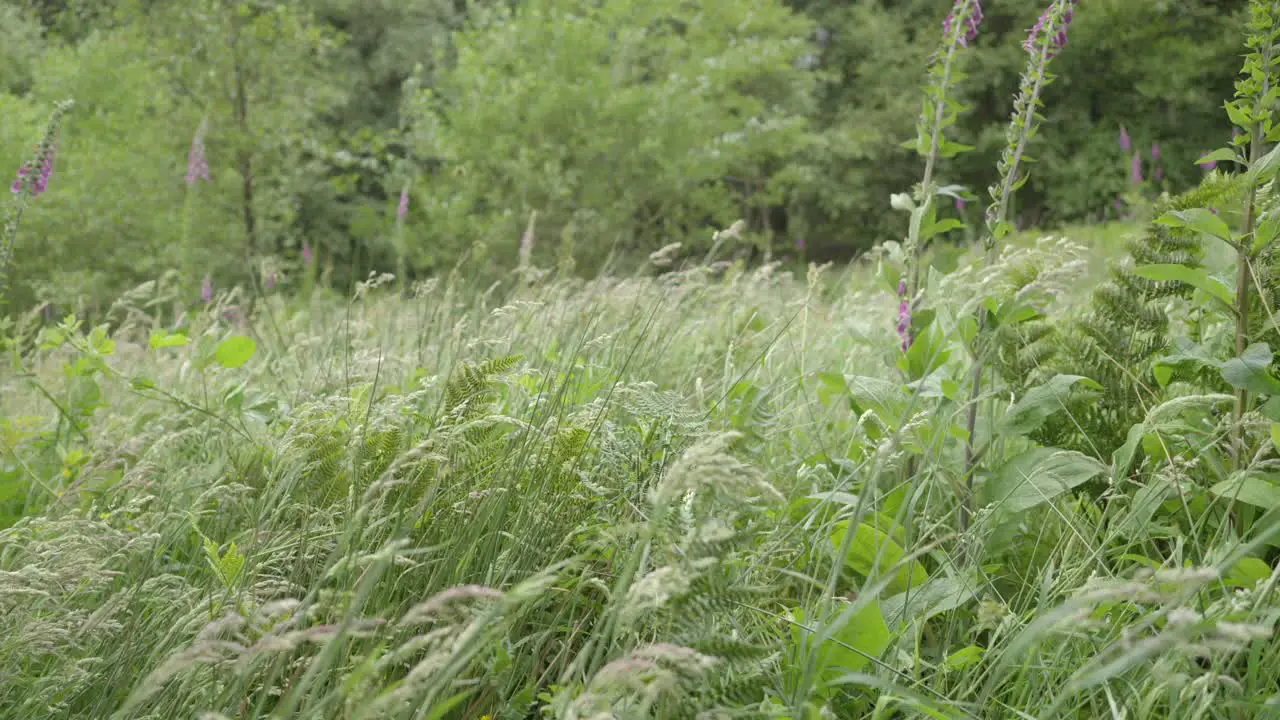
x: 624, y: 124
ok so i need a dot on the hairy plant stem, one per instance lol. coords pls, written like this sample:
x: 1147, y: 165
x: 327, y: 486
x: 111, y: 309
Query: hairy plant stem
x: 996, y: 218
x: 1244, y: 277
x: 931, y: 160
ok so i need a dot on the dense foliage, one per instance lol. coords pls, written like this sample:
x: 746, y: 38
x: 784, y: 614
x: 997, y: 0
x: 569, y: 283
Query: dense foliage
x: 1022, y: 475
x: 625, y: 125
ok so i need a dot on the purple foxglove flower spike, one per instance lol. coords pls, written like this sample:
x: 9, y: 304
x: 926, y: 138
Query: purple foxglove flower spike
x: 1126, y: 143
x: 403, y: 209
x: 1135, y: 170
x: 306, y: 253
x: 1057, y: 43
x: 206, y: 290
x: 197, y: 165
x: 971, y: 23
x: 904, y: 316
x: 1155, y: 152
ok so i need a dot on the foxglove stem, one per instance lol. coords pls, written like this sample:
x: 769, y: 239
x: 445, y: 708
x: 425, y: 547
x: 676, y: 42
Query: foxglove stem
x: 31, y: 182
x: 959, y: 29
x: 1043, y: 43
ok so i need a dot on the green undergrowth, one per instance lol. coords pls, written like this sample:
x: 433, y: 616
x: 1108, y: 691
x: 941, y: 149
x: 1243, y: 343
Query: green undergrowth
x: 702, y: 491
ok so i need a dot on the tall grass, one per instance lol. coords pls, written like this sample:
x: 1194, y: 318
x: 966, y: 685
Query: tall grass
x: 697, y: 490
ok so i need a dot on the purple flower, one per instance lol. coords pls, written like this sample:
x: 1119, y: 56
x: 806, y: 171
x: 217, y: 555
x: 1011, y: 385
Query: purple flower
x: 206, y: 290
x: 971, y: 22
x: 306, y: 253
x: 800, y: 244
x: 1126, y: 143
x: 1155, y: 152
x: 1119, y: 204
x: 1135, y: 170
x: 271, y: 280
x: 197, y: 165
x: 403, y: 209
x: 1059, y: 39
x: 41, y: 182
x: 960, y: 204
x: 1159, y: 174
x: 1208, y: 165
x: 904, y: 316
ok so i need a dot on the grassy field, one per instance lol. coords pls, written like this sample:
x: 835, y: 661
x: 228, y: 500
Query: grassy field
x: 628, y: 497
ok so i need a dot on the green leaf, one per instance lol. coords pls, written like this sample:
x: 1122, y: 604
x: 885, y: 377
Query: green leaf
x: 874, y: 552
x: 1041, y: 402
x: 963, y: 658
x: 1267, y: 231
x: 1037, y: 476
x: 1249, y: 371
x: 235, y: 351
x: 1249, y: 488
x: 1247, y: 573
x: 162, y: 339
x: 1195, y: 277
x: 1198, y: 219
x: 1220, y: 155
x: 1264, y: 170
x: 858, y: 637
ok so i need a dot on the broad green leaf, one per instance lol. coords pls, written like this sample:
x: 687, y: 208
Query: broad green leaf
x: 1122, y: 458
x: 964, y: 658
x: 1037, y: 476
x: 235, y: 351
x: 1195, y: 277
x: 1249, y: 371
x: 1041, y: 402
x: 939, y: 595
x: 1249, y: 488
x: 863, y: 635
x: 1267, y: 231
x: 874, y: 552
x: 162, y: 339
x: 1220, y: 155
x: 1247, y: 573
x: 886, y: 399
x: 1198, y: 219
x: 1264, y: 170
x: 1275, y: 434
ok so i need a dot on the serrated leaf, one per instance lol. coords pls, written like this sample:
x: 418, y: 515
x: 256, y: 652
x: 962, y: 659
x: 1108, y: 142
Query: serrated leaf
x: 235, y: 351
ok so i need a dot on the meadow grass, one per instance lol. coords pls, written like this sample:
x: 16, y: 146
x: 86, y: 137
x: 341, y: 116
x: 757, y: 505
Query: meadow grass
x: 609, y: 498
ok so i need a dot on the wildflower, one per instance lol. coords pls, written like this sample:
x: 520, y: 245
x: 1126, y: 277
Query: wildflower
x: 971, y: 22
x: 904, y: 316
x: 1126, y: 143
x: 197, y: 165
x: 960, y: 204
x: 1135, y: 170
x: 41, y: 181
x: 1155, y: 152
x: 1059, y: 40
x: 403, y: 209
x: 1158, y: 174
x: 306, y: 253
x: 1208, y: 165
x: 206, y: 290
